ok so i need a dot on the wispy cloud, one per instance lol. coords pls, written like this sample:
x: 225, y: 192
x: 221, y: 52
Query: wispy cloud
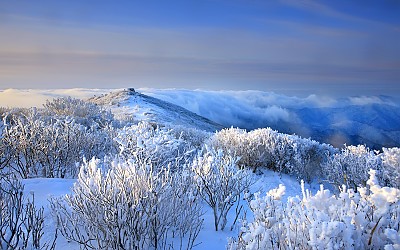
x: 319, y: 8
x: 365, y: 100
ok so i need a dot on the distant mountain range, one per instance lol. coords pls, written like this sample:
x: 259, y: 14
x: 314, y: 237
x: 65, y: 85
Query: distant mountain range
x: 375, y: 125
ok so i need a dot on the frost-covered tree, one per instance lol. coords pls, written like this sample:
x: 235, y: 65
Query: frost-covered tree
x: 391, y: 166
x: 5, y: 154
x: 21, y: 222
x: 351, y: 166
x: 83, y: 112
x: 279, y: 152
x: 20, y: 136
x: 129, y: 205
x: 233, y: 141
x: 194, y: 138
x: 367, y: 219
x: 37, y: 146
x: 220, y: 183
x: 160, y: 145
x: 308, y: 158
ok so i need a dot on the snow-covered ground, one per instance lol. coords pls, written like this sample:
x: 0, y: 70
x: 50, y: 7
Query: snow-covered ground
x: 128, y: 104
x: 208, y: 238
x: 43, y: 189
x: 142, y: 107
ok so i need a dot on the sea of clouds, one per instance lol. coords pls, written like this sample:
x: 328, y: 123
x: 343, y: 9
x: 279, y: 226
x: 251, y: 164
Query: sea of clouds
x: 371, y: 120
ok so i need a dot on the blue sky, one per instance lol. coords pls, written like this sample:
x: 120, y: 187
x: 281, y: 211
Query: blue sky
x: 289, y: 46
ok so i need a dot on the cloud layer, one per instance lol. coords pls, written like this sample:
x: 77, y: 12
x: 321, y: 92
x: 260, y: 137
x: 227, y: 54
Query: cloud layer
x: 245, y: 109
x: 371, y: 120
x: 26, y: 98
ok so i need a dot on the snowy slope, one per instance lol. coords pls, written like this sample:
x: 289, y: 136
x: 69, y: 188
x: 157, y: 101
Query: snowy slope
x: 127, y: 104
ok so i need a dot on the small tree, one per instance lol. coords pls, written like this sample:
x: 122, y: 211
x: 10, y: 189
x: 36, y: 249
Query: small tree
x: 220, y: 183
x: 129, y: 205
x: 309, y: 156
x: 5, y: 149
x: 21, y: 222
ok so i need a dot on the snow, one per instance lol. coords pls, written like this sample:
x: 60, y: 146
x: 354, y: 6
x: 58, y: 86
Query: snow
x: 129, y: 105
x: 43, y: 189
x: 209, y: 239
x: 279, y: 186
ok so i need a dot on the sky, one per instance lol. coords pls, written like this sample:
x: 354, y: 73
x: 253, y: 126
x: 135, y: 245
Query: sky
x: 295, y: 47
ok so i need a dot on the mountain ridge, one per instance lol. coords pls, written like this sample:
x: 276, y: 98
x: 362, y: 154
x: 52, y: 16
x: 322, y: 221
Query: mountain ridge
x: 128, y: 104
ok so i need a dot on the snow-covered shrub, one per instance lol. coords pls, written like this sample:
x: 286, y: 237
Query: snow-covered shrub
x: 391, y: 166
x: 350, y: 167
x: 129, y: 205
x: 159, y: 145
x: 233, y: 141
x: 220, y: 183
x: 64, y: 143
x: 271, y: 149
x: 257, y: 148
x: 83, y: 112
x: 21, y: 222
x: 37, y: 146
x: 308, y: 158
x: 193, y: 137
x: 283, y: 154
x: 5, y: 154
x: 368, y: 219
x: 20, y: 137
x: 267, y: 148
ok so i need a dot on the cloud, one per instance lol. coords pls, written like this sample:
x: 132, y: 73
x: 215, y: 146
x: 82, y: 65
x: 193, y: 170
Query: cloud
x: 326, y: 10
x: 276, y: 114
x: 321, y: 100
x: 335, y: 120
x: 21, y: 98
x: 245, y: 109
x: 318, y: 8
x: 27, y: 98
x: 365, y: 100
x: 252, y: 109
